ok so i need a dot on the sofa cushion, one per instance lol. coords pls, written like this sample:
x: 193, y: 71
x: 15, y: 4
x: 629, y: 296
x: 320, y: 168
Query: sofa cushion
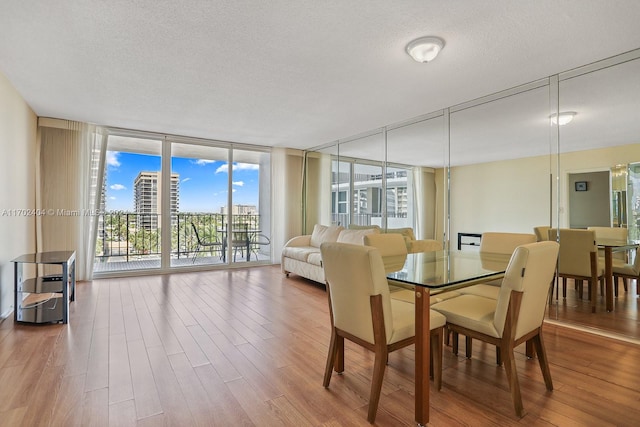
x: 323, y: 234
x: 356, y: 237
x: 301, y: 253
x: 315, y: 258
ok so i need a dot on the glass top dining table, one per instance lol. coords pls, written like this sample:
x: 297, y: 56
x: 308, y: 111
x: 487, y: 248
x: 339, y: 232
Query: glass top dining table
x: 431, y: 273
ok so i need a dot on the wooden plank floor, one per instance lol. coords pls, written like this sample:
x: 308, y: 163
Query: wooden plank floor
x: 248, y: 346
x: 576, y: 309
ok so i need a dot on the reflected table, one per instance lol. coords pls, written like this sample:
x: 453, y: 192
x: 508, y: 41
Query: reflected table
x: 431, y: 273
x: 610, y: 246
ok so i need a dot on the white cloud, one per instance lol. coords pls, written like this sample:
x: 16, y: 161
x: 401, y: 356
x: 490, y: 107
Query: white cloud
x: 112, y: 158
x: 238, y: 183
x: 186, y: 179
x: 118, y: 187
x: 112, y: 198
x: 203, y: 162
x: 238, y: 166
x: 233, y: 190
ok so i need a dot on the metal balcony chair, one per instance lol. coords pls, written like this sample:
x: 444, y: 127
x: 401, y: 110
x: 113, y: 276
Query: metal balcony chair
x: 239, y: 239
x: 258, y: 240
x: 211, y: 246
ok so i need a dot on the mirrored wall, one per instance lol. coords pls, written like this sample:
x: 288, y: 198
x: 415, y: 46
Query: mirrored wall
x: 506, y: 162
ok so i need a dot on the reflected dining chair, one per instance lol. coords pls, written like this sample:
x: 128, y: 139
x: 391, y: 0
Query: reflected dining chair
x: 362, y: 312
x: 392, y: 248
x: 619, y: 259
x: 578, y: 260
x: 500, y: 244
x: 542, y: 233
x: 515, y: 317
x: 626, y: 271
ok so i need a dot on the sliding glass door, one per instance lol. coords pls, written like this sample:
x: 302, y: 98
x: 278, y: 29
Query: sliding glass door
x: 130, y: 216
x: 213, y: 208
x: 197, y: 222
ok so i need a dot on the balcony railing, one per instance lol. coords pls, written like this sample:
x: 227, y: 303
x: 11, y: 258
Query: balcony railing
x: 127, y: 238
x: 394, y: 220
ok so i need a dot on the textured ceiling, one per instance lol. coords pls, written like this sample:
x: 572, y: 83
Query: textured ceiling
x: 289, y: 73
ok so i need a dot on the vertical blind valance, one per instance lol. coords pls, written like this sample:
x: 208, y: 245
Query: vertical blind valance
x: 48, y: 122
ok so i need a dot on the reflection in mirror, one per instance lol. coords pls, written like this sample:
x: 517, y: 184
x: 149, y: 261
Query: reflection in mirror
x: 602, y: 139
x: 357, y: 189
x: 416, y: 150
x: 318, y: 180
x: 500, y: 168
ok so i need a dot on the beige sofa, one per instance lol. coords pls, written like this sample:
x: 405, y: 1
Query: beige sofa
x: 413, y: 245
x: 301, y: 255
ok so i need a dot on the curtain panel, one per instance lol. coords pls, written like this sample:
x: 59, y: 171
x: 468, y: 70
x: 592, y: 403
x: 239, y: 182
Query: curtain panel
x: 69, y: 176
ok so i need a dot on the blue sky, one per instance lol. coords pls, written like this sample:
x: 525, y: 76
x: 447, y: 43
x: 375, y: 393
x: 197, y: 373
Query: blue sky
x: 203, y: 183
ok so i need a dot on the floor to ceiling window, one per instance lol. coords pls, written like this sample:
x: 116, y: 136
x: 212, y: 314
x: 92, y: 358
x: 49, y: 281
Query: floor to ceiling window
x: 131, y: 217
x: 197, y: 226
x: 203, y: 213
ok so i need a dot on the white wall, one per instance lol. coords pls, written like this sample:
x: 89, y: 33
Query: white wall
x: 18, y: 126
x: 509, y: 196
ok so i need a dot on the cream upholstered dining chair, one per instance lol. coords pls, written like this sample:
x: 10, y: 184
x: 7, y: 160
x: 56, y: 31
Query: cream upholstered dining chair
x: 501, y: 244
x: 362, y: 312
x: 578, y: 260
x: 515, y: 317
x: 392, y: 248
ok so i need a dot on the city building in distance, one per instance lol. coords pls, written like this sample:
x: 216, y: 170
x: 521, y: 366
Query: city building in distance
x: 148, y: 199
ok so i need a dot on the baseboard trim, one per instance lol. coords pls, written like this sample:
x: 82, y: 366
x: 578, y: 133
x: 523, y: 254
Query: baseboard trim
x: 594, y: 331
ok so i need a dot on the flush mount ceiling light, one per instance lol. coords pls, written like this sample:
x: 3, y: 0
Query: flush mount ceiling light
x: 562, y: 118
x: 425, y: 49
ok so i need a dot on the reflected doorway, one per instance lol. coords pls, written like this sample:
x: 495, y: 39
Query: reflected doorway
x: 589, y: 200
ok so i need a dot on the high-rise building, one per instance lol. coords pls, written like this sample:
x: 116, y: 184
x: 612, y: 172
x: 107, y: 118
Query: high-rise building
x: 240, y: 210
x: 148, y: 198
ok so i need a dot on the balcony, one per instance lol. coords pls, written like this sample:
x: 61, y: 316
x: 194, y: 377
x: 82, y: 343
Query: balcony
x: 130, y: 241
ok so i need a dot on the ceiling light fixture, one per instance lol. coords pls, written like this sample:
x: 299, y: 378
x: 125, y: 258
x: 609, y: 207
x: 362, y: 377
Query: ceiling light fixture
x: 425, y: 49
x: 562, y: 118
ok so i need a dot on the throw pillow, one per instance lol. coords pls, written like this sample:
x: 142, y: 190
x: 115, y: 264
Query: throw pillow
x: 356, y: 237
x: 324, y: 233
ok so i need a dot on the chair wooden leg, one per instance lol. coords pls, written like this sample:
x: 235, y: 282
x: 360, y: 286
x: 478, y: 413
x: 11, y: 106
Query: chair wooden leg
x: 498, y: 356
x: 468, y: 343
x: 564, y: 287
x: 543, y: 361
x: 625, y: 283
x: 514, y: 385
x: 454, y: 345
x: 436, y: 356
x: 339, y: 362
x: 331, y: 357
x: 529, y: 349
x: 376, y: 382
